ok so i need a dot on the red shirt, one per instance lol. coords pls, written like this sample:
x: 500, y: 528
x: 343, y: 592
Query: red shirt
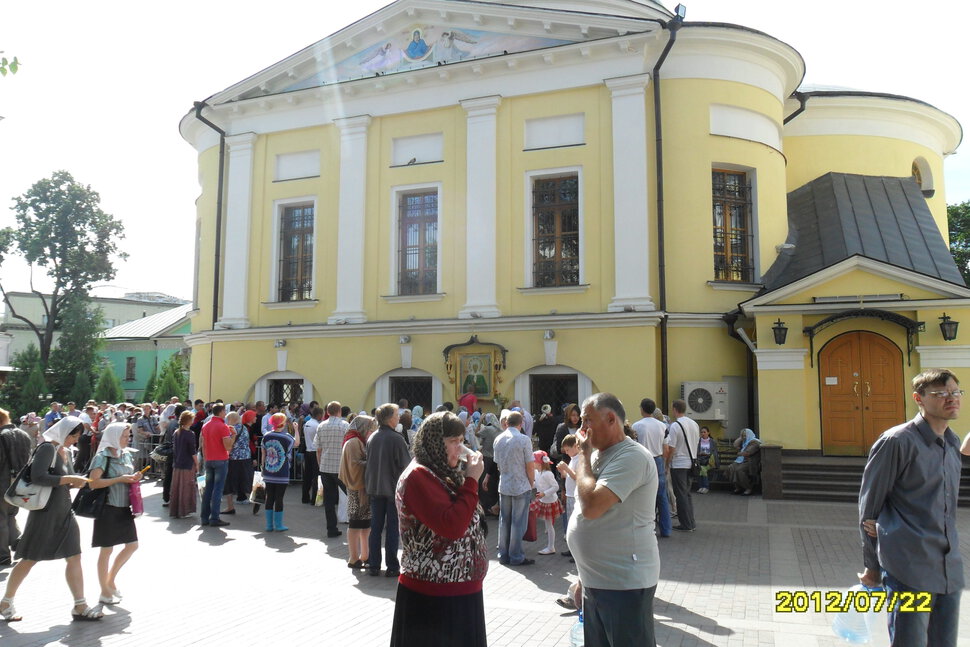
x: 469, y: 401
x: 212, y: 434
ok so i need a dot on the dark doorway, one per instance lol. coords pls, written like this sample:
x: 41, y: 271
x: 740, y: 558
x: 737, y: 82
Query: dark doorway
x: 554, y: 390
x: 285, y: 391
x: 416, y: 390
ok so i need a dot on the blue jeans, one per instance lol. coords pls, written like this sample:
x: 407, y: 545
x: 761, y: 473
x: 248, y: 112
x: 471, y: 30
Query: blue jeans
x: 663, y: 504
x: 938, y: 628
x: 383, y: 519
x: 513, y: 519
x: 215, y: 480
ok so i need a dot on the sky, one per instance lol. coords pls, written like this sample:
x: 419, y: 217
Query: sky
x: 103, y: 86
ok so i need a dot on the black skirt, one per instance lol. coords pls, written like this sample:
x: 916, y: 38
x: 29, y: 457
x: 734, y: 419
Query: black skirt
x: 239, y: 478
x: 438, y: 621
x: 115, y: 526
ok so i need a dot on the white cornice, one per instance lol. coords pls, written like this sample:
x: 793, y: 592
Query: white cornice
x: 944, y: 356
x: 430, y: 327
x: 781, y: 359
x: 696, y: 320
x: 949, y: 292
x: 877, y: 116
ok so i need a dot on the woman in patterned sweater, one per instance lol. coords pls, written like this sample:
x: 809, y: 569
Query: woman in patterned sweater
x: 445, y: 558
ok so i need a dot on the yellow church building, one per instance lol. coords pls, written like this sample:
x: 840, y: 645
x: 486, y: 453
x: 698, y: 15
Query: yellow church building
x: 543, y: 199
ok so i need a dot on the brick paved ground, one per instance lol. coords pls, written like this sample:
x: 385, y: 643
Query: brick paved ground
x: 242, y: 586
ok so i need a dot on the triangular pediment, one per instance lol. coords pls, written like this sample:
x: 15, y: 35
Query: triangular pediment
x: 854, y: 281
x: 410, y: 35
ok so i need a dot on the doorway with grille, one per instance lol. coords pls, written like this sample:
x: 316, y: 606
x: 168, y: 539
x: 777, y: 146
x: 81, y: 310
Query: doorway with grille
x: 556, y: 390
x: 285, y: 391
x: 414, y: 389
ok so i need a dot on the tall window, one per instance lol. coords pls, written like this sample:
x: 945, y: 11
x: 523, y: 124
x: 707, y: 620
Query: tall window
x: 129, y: 368
x: 418, y: 245
x: 555, y: 216
x: 296, y: 253
x: 733, y: 260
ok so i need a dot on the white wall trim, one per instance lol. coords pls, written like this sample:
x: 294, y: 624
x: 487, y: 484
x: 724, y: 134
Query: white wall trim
x: 272, y: 292
x: 529, y: 227
x: 781, y: 359
x: 743, y: 123
x: 949, y: 356
x: 395, y: 241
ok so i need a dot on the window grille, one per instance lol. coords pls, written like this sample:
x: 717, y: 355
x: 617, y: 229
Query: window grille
x: 418, y: 246
x: 555, y: 215
x: 296, y: 253
x: 733, y: 241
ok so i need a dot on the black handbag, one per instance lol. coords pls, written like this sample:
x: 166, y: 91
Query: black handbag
x: 695, y: 468
x: 89, y: 502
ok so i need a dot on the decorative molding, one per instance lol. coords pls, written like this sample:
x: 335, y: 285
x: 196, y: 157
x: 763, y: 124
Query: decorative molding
x: 566, y: 289
x: 406, y: 353
x: 281, y: 360
x: 735, y: 287
x: 781, y: 359
x: 290, y: 305
x: 944, y: 356
x: 551, y: 346
x: 413, y: 298
x: 239, y: 184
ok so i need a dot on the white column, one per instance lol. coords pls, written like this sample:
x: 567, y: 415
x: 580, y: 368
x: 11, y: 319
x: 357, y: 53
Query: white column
x: 480, y: 208
x: 235, y: 256
x: 631, y: 231
x: 350, y: 220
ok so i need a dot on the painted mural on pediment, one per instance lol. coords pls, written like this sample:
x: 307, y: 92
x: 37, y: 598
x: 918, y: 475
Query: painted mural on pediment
x: 424, y: 46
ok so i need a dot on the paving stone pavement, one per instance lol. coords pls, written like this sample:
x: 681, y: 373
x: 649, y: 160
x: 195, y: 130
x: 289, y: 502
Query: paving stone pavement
x: 242, y: 586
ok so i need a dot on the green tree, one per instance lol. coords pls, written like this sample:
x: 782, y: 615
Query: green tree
x: 75, y: 360
x: 34, y: 395
x: 108, y: 388
x: 62, y: 230
x: 8, y: 65
x: 172, y: 381
x: 958, y: 224
x: 149, y: 393
x: 12, y: 393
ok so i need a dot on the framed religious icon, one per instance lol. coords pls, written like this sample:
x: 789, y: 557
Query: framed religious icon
x: 475, y: 369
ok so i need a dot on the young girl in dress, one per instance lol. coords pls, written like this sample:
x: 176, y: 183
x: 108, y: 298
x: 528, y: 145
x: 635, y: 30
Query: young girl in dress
x: 546, y: 505
x: 707, y: 458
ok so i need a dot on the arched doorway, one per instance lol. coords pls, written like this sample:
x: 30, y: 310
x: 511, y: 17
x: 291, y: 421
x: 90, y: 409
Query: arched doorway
x: 861, y: 391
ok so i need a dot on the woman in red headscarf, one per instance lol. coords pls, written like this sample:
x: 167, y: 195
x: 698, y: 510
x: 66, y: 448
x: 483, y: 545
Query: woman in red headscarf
x: 353, y: 458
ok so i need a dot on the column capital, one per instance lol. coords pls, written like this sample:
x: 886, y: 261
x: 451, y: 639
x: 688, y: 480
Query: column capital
x: 627, y: 85
x: 241, y: 143
x: 481, y: 106
x: 353, y: 125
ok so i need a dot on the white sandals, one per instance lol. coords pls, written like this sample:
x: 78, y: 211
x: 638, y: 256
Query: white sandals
x: 10, y: 613
x: 89, y: 614
x: 114, y: 598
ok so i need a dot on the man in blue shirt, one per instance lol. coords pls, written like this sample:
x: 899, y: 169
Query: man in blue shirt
x: 907, y: 512
x: 513, y: 455
x: 53, y: 415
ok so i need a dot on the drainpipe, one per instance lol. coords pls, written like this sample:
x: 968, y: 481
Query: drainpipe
x: 730, y: 319
x: 199, y: 105
x: 672, y: 26
x: 802, y: 100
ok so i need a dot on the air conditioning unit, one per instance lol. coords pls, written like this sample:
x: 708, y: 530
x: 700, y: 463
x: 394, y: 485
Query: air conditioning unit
x: 706, y: 400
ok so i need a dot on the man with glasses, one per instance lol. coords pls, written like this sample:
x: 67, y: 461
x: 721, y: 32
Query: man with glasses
x: 907, y: 511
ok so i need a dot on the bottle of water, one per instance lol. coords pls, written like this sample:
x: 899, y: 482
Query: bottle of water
x: 576, y: 636
x: 853, y: 626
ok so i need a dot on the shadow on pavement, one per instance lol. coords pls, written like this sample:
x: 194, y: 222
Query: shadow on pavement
x: 666, y: 612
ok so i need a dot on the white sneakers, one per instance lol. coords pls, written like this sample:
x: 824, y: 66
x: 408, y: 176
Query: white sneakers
x: 547, y: 551
x: 703, y: 490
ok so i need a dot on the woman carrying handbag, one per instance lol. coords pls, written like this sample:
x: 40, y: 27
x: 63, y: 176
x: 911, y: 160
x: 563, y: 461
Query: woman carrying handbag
x: 52, y: 532
x: 114, y: 468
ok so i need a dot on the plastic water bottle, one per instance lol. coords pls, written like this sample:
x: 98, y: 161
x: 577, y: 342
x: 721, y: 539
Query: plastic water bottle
x: 576, y: 636
x: 853, y: 626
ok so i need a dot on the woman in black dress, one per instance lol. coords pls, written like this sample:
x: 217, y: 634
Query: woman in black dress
x: 52, y: 532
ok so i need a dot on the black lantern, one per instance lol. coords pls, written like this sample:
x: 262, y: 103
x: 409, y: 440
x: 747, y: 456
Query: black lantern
x: 780, y: 331
x: 948, y: 327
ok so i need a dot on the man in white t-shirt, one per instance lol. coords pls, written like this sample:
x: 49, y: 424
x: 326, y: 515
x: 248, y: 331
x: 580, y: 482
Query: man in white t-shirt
x: 651, y: 433
x: 682, y: 438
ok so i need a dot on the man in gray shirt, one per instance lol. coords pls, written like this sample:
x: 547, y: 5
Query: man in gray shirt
x: 387, y: 456
x: 611, y: 533
x: 907, y: 511
x: 513, y: 455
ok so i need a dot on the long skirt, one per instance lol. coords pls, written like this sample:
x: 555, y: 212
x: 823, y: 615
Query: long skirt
x: 438, y: 621
x: 185, y: 491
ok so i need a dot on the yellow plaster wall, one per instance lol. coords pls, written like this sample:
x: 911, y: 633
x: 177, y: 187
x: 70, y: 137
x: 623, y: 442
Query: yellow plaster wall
x: 812, y: 156
x: 690, y: 153
x: 858, y: 282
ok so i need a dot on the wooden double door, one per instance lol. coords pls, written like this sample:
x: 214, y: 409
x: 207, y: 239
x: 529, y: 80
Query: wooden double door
x: 861, y: 390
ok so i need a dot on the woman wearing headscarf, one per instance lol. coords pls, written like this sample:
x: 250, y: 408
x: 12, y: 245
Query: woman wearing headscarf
x: 114, y: 468
x: 545, y: 428
x: 470, y: 438
x: 353, y: 458
x: 278, y: 448
x: 745, y: 467
x: 445, y: 558
x: 185, y: 467
x: 52, y: 532
x: 488, y: 491
x: 417, y: 417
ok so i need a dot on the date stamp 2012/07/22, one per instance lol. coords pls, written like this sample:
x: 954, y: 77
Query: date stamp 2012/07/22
x: 844, y: 601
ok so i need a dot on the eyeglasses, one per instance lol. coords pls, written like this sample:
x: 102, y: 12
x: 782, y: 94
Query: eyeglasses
x: 946, y: 394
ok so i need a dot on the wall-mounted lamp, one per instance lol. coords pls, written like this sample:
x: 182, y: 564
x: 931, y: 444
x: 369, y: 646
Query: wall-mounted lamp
x: 948, y: 327
x: 279, y: 343
x: 680, y: 11
x: 404, y: 339
x: 780, y: 331
x: 549, y: 334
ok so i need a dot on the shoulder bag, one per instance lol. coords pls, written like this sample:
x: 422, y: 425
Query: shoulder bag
x: 89, y: 502
x: 695, y: 468
x: 24, y: 494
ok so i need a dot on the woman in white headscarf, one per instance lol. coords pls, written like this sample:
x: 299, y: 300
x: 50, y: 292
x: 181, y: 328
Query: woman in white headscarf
x: 52, y: 532
x: 744, y: 470
x: 114, y: 468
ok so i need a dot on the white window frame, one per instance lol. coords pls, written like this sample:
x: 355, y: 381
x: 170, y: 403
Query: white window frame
x: 382, y: 387
x: 274, y: 269
x: 395, y: 243
x: 752, y: 174
x: 529, y: 226
x: 261, y: 386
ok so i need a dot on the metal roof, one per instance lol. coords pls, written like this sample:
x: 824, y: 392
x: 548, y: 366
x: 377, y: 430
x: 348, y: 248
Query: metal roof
x: 148, y: 327
x: 839, y: 215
